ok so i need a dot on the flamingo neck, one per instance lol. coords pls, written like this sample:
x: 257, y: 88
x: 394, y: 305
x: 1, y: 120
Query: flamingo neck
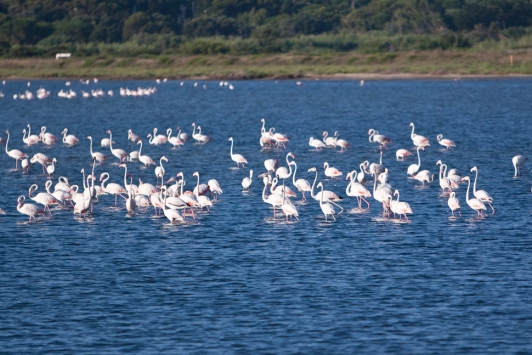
x: 231, y: 148
x: 111, y: 140
x: 84, y: 186
x: 418, y: 158
x: 475, y: 184
x: 412, y: 135
x: 197, y: 185
x: 467, y: 193
x: 91, y: 146
x: 140, y: 149
x: 313, y: 184
x: 264, y: 192
x: 7, y: 142
x: 294, y: 176
x: 371, y: 135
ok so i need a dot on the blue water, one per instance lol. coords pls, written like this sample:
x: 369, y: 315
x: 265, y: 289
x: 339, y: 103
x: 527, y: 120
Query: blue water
x: 236, y: 280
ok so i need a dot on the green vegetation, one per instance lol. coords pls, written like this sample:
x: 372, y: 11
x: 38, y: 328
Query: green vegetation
x: 262, y: 38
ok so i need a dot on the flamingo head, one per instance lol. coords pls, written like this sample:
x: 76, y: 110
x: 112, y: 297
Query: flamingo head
x: 43, y: 129
x: 411, y: 124
x: 64, y: 132
x: 164, y: 158
x: 89, y: 137
x: 292, y: 155
x: 24, y: 131
x: 122, y: 165
x: 172, y: 179
x: 439, y: 162
x: 262, y: 120
x: 195, y: 174
x: 465, y: 178
x: 395, y: 192
x: 180, y: 174
x: 21, y: 199
x: 439, y: 137
x: 474, y: 169
x: 325, y: 165
x: 264, y: 179
x: 2, y: 211
x: 230, y: 139
x: 54, y: 160
x: 108, y: 131
x: 139, y: 142
x: 101, y: 176
x: 324, y: 133
x: 148, y: 136
x: 311, y: 169
x: 6, y: 131
x: 320, y: 185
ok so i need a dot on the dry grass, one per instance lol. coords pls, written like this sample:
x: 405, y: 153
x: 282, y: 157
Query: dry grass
x: 436, y: 63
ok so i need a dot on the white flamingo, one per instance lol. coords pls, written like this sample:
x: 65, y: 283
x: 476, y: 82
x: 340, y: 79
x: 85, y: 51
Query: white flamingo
x: 481, y: 194
x: 326, y: 208
x: 46, y: 137
x: 331, y: 172
x: 159, y: 171
x: 283, y: 172
x: 69, y: 139
x: 43, y: 198
x: 111, y: 188
x: 203, y: 200
x: 330, y: 142
x: 14, y: 153
x: 328, y: 196
x: 474, y: 203
x: 447, y: 143
x: 356, y: 189
x: 119, y: 153
x: 316, y: 143
x: 453, y: 203
x: 175, y: 141
x: 301, y: 184
x: 146, y: 160
x: 50, y: 169
x: 31, y: 139
x: 399, y: 207
x: 517, y: 161
x: 237, y: 158
x: 246, y: 182
x: 28, y: 209
x: 414, y: 168
x: 382, y: 140
x: 288, y: 208
x: 100, y: 157
x: 401, y: 154
x: 419, y: 141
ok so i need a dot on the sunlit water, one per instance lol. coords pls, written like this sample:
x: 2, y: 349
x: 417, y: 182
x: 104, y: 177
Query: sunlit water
x: 236, y: 280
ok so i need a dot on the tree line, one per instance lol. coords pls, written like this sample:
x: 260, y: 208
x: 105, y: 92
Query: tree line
x: 60, y: 23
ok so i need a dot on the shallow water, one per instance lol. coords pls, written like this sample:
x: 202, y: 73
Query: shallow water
x: 237, y: 280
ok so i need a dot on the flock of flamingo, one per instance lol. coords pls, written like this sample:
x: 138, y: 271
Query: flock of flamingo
x: 174, y: 203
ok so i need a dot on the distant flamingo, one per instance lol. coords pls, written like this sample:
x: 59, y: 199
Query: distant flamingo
x: 517, y: 161
x: 31, y: 139
x: 119, y: 153
x: 100, y: 157
x: 301, y: 184
x: 14, y: 153
x: 331, y: 172
x: 382, y: 140
x: 481, y: 195
x: 445, y: 142
x: 356, y: 189
x: 69, y: 139
x: 418, y: 140
x: 159, y: 171
x: 111, y: 188
x: 246, y: 182
x: 326, y: 207
x: 453, y: 203
x: 401, y: 154
x: 146, y: 160
x: 237, y: 158
x: 28, y: 209
x: 46, y: 137
x: 474, y: 203
x: 401, y: 208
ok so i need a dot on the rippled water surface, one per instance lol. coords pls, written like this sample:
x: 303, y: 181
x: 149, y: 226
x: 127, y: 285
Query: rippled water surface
x: 236, y: 280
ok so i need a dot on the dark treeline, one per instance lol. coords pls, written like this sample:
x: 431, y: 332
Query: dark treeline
x: 27, y: 27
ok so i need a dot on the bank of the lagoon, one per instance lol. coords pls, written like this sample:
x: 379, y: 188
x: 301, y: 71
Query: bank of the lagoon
x: 413, y: 64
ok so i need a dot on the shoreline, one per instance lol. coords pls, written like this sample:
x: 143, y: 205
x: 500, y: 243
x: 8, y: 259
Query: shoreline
x: 415, y: 65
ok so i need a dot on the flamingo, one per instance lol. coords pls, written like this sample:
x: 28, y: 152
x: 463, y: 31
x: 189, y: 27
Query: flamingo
x: 382, y: 140
x: 376, y: 169
x: 175, y: 141
x: 361, y: 177
x: 419, y: 141
x: 60, y: 195
x: 69, y: 139
x: 100, y: 157
x: 401, y: 208
x: 271, y: 165
x: 355, y: 189
x: 119, y: 153
x: 445, y: 142
x: 83, y: 204
x: 481, y: 195
x: 414, y: 168
x: 25, y: 165
x: 46, y: 137
x: 215, y: 188
x: 401, y: 154
x: 330, y: 142
x: 183, y: 136
x: 326, y: 208
x: 43, y: 198
x: 331, y: 172
x: 157, y: 139
x: 237, y: 158
x: 453, y: 203
x: 31, y: 139
x: 445, y: 183
x: 342, y: 143
x: 282, y: 172
x: 63, y: 184
x: 14, y: 153
x: 42, y: 159
x: 316, y: 143
x: 280, y: 189
x: 28, y: 209
x: 382, y: 194
x: 266, y: 138
x: 274, y: 199
x: 146, y: 160
x: 424, y: 175
x: 172, y: 215
x: 127, y: 186
x: 111, y: 188
x: 384, y: 177
x: 329, y: 196
x: 474, y: 203
x: 132, y: 136
x: 246, y: 182
x: 50, y: 169
x: 159, y: 171
x: 201, y: 138
x: 203, y: 200
x: 517, y: 161
x: 279, y: 138
x: 288, y: 208
x: 301, y: 184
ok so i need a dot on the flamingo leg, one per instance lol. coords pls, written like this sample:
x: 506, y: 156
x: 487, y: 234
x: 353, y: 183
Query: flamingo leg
x: 493, y: 209
x: 365, y: 201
